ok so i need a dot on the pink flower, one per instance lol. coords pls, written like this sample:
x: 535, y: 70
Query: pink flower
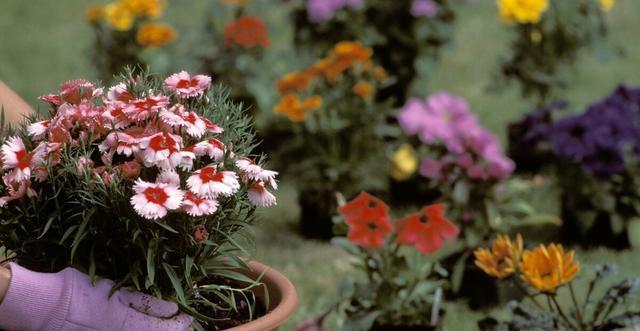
x: 16, y: 189
x: 74, y: 91
x: 212, y: 127
x: 213, y: 147
x: 161, y: 150
x: 168, y: 177
x: 130, y: 170
x: 208, y: 182
x: 259, y: 196
x: 194, y: 124
x: 141, y: 109
x: 186, y: 86
x: 83, y: 163
x: 196, y: 206
x: 186, y: 159
x: 120, y: 143
x: 152, y: 201
x: 411, y: 117
x: 38, y: 130
x: 255, y: 172
x: 118, y: 93
x: 200, y: 233
x: 15, y: 156
x: 432, y: 168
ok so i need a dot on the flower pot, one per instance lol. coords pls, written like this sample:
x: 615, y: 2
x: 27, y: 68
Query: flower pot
x: 282, y: 299
x: 317, y: 208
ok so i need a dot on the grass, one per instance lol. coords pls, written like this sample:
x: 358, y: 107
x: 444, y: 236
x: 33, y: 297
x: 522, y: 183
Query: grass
x: 46, y: 42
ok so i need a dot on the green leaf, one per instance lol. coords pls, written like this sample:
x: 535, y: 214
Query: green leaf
x: 177, y: 286
x: 541, y: 219
x: 166, y: 227
x: 151, y: 262
x: 458, y: 272
x: 633, y: 231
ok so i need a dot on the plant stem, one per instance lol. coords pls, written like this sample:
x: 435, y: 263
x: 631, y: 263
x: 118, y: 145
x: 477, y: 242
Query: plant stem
x: 526, y: 293
x: 560, y: 311
x: 575, y: 304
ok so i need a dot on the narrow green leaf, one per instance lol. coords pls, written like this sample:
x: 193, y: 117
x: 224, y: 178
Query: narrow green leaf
x: 177, y: 286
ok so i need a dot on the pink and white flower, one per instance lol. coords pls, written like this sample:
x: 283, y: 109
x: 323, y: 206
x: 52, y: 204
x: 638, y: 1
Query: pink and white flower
x: 168, y: 177
x: 118, y: 93
x: 120, y: 143
x: 208, y: 182
x: 196, y: 206
x: 16, y: 157
x: 213, y: 147
x: 16, y: 189
x: 161, y: 150
x: 194, y: 124
x: 186, y: 159
x: 260, y: 196
x: 255, y: 172
x: 186, y: 86
x: 154, y: 200
x: 212, y: 127
x: 141, y: 109
x: 38, y: 130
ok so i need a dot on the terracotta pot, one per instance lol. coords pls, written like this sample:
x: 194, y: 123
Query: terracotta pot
x: 283, y: 299
x: 15, y: 108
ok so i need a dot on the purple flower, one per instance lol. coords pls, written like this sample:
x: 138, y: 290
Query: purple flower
x: 411, y: 117
x: 324, y: 10
x: 424, y: 8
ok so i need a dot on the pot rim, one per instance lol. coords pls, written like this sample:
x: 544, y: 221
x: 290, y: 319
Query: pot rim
x: 284, y: 307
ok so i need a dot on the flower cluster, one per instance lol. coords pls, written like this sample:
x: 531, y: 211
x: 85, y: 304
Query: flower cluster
x: 324, y: 10
x: 424, y: 8
x: 172, y: 156
x: 522, y: 11
x: 444, y: 123
x: 599, y: 139
x: 121, y: 15
x: 544, y: 268
x: 369, y: 225
x: 155, y: 35
x: 247, y: 32
x: 346, y: 58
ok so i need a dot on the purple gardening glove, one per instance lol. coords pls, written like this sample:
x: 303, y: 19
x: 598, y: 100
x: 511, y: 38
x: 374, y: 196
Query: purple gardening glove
x: 66, y: 301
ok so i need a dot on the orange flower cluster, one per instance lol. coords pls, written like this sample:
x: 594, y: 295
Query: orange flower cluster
x: 155, y: 35
x: 545, y: 268
x: 248, y: 32
x: 346, y: 56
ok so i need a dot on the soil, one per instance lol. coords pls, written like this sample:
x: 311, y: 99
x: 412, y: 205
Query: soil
x: 226, y: 319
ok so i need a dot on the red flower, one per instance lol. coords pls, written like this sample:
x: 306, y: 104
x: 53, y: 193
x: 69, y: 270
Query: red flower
x: 200, y: 233
x: 427, y: 230
x: 248, y: 32
x: 368, y: 220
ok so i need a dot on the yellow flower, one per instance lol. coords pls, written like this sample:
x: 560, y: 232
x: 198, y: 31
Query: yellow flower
x: 404, y: 163
x: 94, y: 14
x: 155, y: 35
x: 363, y: 89
x: 118, y: 16
x: 547, y: 268
x: 522, y: 11
x: 144, y: 8
x: 606, y: 5
x: 503, y: 258
x: 380, y: 74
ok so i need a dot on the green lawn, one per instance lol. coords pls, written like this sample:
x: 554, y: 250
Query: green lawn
x: 44, y: 43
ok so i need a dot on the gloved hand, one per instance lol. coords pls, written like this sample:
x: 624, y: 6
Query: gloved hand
x: 67, y: 301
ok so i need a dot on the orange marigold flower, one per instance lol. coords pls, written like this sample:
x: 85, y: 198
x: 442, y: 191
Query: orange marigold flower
x: 313, y: 103
x: 380, y: 74
x: 502, y: 259
x: 155, y: 35
x: 295, y: 109
x: 368, y: 220
x: 145, y: 8
x: 348, y: 52
x: 293, y: 82
x: 248, y: 32
x: 94, y: 14
x: 363, y: 89
x: 426, y: 230
x: 548, y: 267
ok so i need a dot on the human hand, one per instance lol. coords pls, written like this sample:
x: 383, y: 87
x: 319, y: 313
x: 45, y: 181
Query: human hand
x: 68, y: 301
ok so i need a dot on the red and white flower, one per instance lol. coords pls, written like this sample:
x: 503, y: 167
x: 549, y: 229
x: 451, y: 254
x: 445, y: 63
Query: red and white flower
x: 119, y: 94
x: 120, y: 143
x: 186, y: 86
x: 213, y: 147
x: 197, y: 206
x: 255, y: 172
x: 141, y: 109
x: 208, y: 182
x: 194, y: 124
x: 38, y: 130
x: 161, y: 150
x: 16, y: 157
x: 260, y: 196
x: 154, y: 200
x: 212, y: 127
x: 16, y: 189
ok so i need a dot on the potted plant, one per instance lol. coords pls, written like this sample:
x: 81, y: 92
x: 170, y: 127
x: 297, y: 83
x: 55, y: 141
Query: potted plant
x: 548, y: 38
x: 128, y: 35
x: 448, y: 153
x: 402, y: 287
x: 594, y: 155
x: 541, y: 273
x: 148, y: 183
x: 339, y: 131
x: 410, y: 50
